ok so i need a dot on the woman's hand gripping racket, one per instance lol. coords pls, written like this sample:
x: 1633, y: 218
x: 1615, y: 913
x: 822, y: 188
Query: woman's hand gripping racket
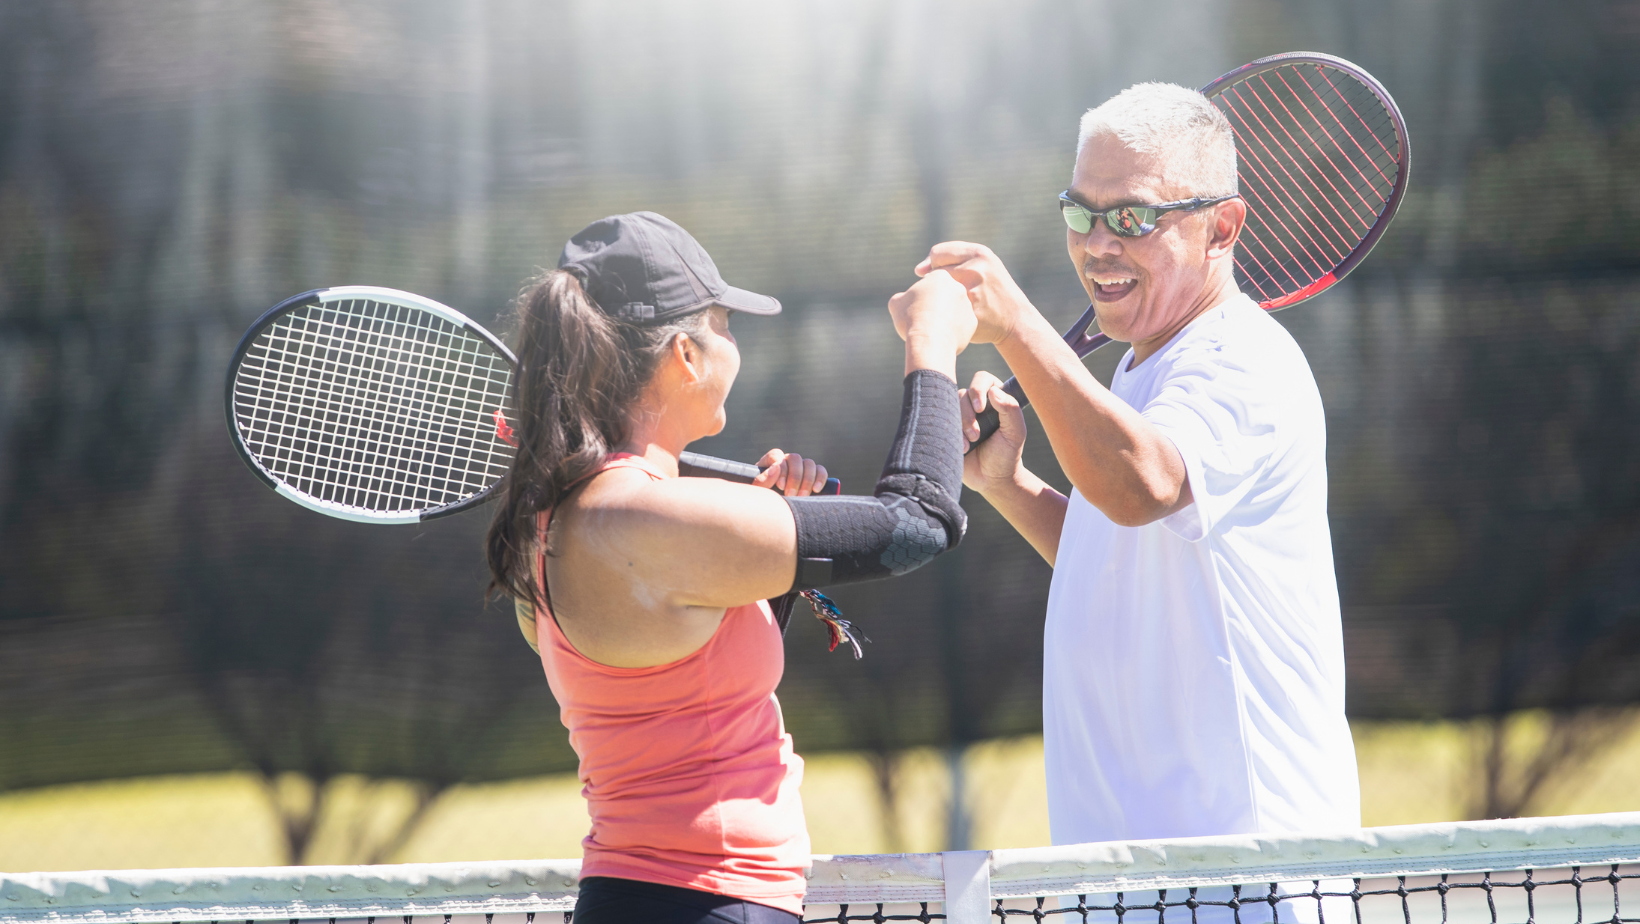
x: 381, y: 406
x: 1322, y: 158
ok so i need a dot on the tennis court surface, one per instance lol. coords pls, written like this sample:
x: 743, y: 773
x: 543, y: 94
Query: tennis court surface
x: 1579, y: 868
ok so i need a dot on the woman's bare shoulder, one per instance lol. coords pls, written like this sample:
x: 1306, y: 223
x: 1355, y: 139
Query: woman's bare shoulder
x: 629, y: 507
x: 708, y: 542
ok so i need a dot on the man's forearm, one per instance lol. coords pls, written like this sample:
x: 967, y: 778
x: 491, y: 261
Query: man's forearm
x: 1034, y: 509
x: 1119, y: 462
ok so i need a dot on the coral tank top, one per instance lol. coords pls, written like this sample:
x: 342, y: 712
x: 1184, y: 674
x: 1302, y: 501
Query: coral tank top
x: 689, y: 775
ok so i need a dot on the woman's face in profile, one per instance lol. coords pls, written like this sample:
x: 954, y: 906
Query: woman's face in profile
x: 722, y: 364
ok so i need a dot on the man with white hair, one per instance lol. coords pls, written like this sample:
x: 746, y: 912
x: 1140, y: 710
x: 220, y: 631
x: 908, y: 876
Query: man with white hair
x: 1194, y: 669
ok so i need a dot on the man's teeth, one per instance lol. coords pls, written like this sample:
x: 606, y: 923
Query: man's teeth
x: 1114, y: 282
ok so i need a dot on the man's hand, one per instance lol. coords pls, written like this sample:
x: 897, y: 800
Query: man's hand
x: 790, y: 474
x: 935, y: 307
x: 997, y: 299
x: 994, y: 463
x: 936, y: 320
x: 993, y: 468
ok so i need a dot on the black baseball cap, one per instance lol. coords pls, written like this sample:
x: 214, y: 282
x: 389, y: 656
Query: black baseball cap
x: 642, y: 267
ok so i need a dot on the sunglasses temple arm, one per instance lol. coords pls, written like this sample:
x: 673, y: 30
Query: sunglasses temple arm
x: 1077, y: 338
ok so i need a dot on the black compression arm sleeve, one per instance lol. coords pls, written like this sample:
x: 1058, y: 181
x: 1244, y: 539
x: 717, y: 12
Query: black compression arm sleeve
x: 913, y: 514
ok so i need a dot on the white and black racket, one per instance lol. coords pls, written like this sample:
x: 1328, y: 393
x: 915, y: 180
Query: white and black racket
x: 1321, y: 161
x: 381, y: 406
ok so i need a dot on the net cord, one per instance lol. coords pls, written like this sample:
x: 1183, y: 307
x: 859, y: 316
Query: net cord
x: 1252, y: 864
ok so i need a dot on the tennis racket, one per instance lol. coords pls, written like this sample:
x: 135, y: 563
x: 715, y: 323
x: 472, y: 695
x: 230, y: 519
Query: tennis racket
x: 1321, y: 159
x: 380, y: 406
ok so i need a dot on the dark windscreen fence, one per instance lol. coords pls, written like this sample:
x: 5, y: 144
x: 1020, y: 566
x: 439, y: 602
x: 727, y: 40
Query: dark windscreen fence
x: 1568, y: 870
x: 169, y: 171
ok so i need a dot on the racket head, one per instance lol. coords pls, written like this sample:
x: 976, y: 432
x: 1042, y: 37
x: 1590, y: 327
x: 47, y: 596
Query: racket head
x: 371, y: 404
x: 1322, y: 163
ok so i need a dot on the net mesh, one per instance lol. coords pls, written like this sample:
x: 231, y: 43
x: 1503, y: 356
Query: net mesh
x: 1317, y: 159
x: 1571, y: 870
x: 372, y: 406
x: 1572, y: 895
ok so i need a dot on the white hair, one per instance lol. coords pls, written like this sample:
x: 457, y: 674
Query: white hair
x: 1175, y: 124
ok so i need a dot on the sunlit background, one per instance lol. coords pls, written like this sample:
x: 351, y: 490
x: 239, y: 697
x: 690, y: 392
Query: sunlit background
x: 195, y: 672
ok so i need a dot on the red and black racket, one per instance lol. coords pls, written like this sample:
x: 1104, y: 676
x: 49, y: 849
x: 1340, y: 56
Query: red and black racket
x: 1321, y: 161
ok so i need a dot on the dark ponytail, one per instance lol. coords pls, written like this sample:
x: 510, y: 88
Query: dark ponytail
x: 579, y: 373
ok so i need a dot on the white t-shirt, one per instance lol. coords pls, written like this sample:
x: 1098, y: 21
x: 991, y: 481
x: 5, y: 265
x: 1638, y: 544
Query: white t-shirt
x: 1193, y: 677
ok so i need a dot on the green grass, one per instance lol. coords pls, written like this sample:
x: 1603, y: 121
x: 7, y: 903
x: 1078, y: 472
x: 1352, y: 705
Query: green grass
x: 1411, y: 772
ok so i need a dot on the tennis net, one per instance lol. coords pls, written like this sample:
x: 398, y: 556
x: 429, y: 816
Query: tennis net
x: 1570, y: 869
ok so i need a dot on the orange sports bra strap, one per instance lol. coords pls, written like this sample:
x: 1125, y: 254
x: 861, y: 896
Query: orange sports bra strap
x: 543, y: 520
x: 627, y: 460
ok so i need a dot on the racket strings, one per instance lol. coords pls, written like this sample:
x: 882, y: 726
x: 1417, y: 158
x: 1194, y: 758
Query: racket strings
x: 1284, y: 155
x: 321, y: 409
x: 425, y: 406
x: 1278, y: 128
x: 1263, y: 154
x: 1303, y: 125
x: 1390, y: 155
x: 335, y: 460
x: 1318, y: 162
x: 373, y: 405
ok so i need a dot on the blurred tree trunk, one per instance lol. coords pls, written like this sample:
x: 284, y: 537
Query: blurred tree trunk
x: 886, y: 764
x: 427, y: 795
x: 337, y: 819
x: 298, y: 812
x: 1521, y: 758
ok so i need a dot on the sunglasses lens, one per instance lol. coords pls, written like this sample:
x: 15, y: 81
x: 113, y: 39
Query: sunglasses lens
x: 1130, y: 222
x: 1077, y: 218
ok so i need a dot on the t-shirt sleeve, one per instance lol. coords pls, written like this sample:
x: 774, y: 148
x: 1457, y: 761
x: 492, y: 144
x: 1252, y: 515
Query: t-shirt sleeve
x: 1221, y: 413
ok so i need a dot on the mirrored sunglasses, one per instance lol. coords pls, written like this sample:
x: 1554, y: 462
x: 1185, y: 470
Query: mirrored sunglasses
x: 1127, y: 220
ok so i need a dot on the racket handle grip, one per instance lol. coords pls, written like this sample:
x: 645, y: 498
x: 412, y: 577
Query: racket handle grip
x: 1077, y: 338
x: 695, y: 465
x: 989, y: 421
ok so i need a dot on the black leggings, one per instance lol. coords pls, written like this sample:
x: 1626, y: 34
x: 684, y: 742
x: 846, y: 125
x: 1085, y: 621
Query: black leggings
x: 607, y: 900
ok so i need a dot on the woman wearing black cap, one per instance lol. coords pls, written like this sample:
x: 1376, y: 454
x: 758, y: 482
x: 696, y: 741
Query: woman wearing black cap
x: 645, y: 594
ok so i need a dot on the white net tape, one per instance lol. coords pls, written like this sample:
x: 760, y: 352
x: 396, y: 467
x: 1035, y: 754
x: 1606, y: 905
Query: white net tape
x: 374, y: 406
x: 1571, y: 869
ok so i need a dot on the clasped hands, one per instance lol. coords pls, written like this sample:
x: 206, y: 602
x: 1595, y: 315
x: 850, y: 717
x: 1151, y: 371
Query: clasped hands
x: 944, y: 311
x: 967, y: 296
x: 987, y: 292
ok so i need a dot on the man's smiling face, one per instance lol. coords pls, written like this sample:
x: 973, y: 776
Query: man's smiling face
x: 1141, y: 287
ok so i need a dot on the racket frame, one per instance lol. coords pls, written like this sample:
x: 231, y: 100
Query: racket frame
x: 319, y: 297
